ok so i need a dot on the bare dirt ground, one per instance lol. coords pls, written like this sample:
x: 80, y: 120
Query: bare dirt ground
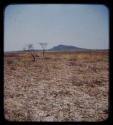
x: 61, y: 87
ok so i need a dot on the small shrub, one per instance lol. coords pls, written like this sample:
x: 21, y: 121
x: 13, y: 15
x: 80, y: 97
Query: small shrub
x: 47, y: 58
x: 9, y: 62
x: 13, y: 68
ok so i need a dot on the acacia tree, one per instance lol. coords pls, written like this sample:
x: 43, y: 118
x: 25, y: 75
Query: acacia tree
x: 43, y: 45
x: 30, y: 49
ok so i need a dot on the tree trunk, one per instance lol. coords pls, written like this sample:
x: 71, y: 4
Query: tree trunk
x: 43, y: 53
x: 33, y: 57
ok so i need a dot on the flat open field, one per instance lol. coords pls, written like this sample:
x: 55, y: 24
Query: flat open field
x: 60, y: 87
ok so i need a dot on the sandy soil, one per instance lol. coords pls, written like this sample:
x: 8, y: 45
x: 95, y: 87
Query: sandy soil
x: 55, y: 89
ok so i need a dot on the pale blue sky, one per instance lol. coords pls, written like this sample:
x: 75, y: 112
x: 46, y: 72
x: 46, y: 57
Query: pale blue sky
x: 85, y: 26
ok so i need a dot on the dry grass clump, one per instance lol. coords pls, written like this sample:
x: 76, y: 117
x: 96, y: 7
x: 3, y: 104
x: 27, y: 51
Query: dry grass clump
x: 9, y: 62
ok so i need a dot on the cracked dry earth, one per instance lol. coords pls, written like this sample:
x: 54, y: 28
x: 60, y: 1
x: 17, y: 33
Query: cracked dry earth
x: 55, y: 90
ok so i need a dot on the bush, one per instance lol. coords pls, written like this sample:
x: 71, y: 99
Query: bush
x: 9, y: 62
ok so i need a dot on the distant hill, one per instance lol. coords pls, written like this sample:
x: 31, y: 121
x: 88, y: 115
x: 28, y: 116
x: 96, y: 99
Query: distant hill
x: 67, y: 48
x: 62, y: 48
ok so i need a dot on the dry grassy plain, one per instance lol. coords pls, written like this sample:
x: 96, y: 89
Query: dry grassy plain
x: 61, y: 87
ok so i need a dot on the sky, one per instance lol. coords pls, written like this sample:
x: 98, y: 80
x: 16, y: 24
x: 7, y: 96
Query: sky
x: 81, y: 25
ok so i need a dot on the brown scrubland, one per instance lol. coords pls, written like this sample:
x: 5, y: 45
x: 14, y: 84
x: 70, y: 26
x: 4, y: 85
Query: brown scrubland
x: 62, y: 86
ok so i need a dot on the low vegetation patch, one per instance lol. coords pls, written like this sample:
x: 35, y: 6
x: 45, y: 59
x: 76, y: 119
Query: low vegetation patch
x: 60, y: 87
